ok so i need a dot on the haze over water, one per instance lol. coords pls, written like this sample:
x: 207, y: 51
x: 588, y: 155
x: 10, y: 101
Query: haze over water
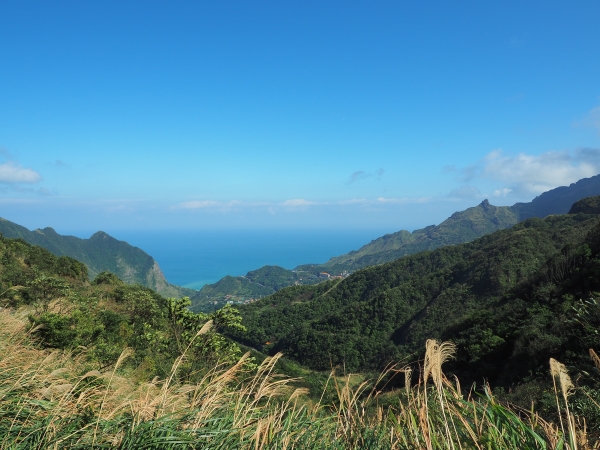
x: 195, y: 258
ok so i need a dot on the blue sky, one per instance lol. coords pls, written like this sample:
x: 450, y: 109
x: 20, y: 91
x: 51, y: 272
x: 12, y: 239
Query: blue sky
x: 383, y: 114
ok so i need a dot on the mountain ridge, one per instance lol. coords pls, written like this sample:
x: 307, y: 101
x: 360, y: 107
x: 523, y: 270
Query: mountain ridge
x: 100, y: 252
x: 510, y: 300
x: 460, y: 227
x: 464, y: 226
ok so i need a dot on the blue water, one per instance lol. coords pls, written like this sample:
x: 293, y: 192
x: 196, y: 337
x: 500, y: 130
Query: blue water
x: 195, y: 258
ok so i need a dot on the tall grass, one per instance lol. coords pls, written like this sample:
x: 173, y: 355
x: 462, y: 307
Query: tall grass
x: 52, y: 400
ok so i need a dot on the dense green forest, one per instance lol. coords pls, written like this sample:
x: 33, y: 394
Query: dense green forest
x: 106, y: 364
x: 100, y: 253
x: 509, y: 300
x: 106, y: 315
x: 256, y: 284
x: 461, y: 227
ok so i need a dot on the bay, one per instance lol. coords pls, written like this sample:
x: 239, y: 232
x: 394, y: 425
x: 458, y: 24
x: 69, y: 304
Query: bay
x: 192, y: 258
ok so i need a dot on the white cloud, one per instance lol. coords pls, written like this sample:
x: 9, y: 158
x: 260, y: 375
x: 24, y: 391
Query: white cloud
x: 502, y: 192
x: 298, y: 202
x: 45, y: 192
x: 198, y: 204
x: 534, y: 174
x: 402, y: 201
x: 594, y: 118
x: 12, y: 173
x: 353, y: 201
x: 213, y: 205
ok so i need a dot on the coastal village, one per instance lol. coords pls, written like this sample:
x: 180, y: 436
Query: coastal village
x: 232, y: 299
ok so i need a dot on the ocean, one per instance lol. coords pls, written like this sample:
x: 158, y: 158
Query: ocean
x: 195, y: 258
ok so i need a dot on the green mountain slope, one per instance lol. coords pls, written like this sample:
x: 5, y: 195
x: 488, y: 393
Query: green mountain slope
x: 67, y: 311
x: 510, y: 300
x: 463, y: 226
x: 256, y: 284
x: 99, y: 253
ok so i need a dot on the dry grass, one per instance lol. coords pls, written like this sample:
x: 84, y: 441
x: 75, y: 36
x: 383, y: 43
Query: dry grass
x: 52, y: 400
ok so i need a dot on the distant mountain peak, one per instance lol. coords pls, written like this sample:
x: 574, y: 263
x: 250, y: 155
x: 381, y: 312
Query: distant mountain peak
x: 46, y: 231
x: 101, y: 235
x: 101, y: 252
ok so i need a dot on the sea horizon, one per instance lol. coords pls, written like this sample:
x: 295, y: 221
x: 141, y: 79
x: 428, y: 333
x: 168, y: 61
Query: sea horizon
x: 193, y: 258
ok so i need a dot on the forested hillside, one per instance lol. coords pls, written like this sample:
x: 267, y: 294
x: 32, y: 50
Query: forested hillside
x: 105, y: 316
x: 510, y: 300
x: 100, y: 253
x: 109, y: 365
x: 255, y: 284
x: 462, y: 226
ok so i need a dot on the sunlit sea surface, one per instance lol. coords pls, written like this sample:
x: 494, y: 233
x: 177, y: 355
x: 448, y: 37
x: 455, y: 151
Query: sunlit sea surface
x: 195, y: 258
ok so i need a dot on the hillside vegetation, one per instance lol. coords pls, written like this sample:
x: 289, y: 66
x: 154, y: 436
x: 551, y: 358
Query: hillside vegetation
x: 100, y: 253
x: 461, y: 227
x: 255, y: 284
x: 104, y: 364
x: 52, y: 400
x: 509, y: 300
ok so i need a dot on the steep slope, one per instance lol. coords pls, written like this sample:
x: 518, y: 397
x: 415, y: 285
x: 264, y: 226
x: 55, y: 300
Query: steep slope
x: 463, y: 226
x: 255, y: 284
x: 99, y: 253
x: 589, y: 205
x: 510, y: 300
x: 559, y: 200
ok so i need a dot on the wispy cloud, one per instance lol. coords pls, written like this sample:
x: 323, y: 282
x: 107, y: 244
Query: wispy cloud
x: 198, y: 204
x: 18, y: 201
x: 533, y: 174
x: 449, y: 168
x: 212, y: 205
x: 361, y: 175
x: 11, y: 172
x: 296, y: 204
x: 402, y: 201
x: 502, y: 192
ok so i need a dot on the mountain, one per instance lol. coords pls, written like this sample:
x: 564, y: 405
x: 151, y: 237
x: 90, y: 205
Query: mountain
x: 99, y: 253
x: 510, y: 300
x: 60, y: 308
x: 50, y: 312
x: 255, y: 284
x: 463, y: 226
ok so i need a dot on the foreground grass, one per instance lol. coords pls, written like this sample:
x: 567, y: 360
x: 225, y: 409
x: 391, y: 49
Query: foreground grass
x: 52, y: 400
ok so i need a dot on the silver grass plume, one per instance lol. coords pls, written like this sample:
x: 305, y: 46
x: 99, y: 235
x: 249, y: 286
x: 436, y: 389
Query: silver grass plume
x: 436, y: 354
x: 558, y: 370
